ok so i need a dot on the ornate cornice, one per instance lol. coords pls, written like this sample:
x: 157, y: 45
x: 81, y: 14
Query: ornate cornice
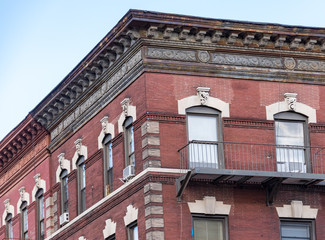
x: 16, y: 142
x: 102, y: 71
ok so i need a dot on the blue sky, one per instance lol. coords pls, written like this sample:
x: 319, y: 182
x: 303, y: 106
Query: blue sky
x: 41, y: 41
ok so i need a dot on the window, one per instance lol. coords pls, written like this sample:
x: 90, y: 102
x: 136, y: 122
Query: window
x: 40, y: 215
x: 129, y: 142
x: 291, y: 141
x: 64, y: 191
x: 110, y: 237
x: 108, y: 164
x: 209, y: 228
x: 81, y: 172
x: 204, y: 137
x: 9, y: 233
x: 24, y: 220
x: 302, y: 230
x: 133, y: 231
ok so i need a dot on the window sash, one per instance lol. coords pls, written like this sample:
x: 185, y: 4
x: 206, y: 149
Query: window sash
x: 290, y: 150
x: 209, y: 228
x: 9, y: 231
x: 82, y: 187
x: 108, y: 167
x: 294, y: 230
x: 203, y: 127
x: 133, y: 233
x: 40, y: 217
x: 65, y: 193
x: 24, y: 221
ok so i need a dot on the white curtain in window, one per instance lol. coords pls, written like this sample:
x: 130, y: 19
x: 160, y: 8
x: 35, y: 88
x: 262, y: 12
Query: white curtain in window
x: 203, y: 128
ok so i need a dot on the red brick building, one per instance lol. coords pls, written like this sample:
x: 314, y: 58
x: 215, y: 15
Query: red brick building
x: 175, y: 127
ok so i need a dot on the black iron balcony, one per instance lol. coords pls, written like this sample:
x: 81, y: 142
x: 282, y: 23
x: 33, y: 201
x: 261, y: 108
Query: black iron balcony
x: 256, y: 163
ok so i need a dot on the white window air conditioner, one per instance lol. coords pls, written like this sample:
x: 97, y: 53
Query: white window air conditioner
x: 128, y: 172
x: 64, y: 218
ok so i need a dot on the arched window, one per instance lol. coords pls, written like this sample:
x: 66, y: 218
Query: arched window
x: 204, y: 137
x: 108, y: 164
x: 129, y: 142
x: 81, y: 172
x: 9, y: 233
x: 24, y: 220
x: 64, y: 191
x: 40, y: 214
x: 292, y: 142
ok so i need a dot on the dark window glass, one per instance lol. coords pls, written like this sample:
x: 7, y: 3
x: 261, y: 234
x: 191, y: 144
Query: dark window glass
x: 297, y: 230
x: 64, y: 191
x: 24, y: 220
x: 133, y: 231
x: 9, y: 233
x: 81, y: 185
x: 129, y: 142
x: 108, y: 164
x: 40, y: 215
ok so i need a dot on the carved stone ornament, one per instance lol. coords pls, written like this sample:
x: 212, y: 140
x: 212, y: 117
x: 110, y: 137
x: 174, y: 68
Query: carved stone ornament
x: 7, y: 204
x: 203, y: 56
x: 291, y: 99
x: 203, y: 93
x: 61, y: 159
x: 104, y: 122
x: 78, y: 144
x: 22, y: 193
x: 125, y: 105
x: 37, y: 178
x: 289, y: 63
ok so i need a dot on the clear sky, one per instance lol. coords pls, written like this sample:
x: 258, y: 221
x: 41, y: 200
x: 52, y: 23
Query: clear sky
x: 41, y: 41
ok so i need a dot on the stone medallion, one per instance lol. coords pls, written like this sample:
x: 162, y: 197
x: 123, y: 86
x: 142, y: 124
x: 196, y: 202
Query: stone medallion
x: 203, y: 56
x: 289, y: 63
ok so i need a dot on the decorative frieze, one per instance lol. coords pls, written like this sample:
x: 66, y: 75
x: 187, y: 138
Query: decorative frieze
x: 180, y: 55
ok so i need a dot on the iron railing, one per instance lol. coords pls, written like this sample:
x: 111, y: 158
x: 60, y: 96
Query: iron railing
x: 252, y: 157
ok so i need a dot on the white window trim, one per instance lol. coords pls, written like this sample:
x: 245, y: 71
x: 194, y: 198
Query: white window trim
x: 109, y: 129
x: 9, y: 209
x: 39, y: 184
x: 64, y: 164
x: 24, y: 197
x: 83, y: 152
x: 212, y: 102
x: 301, y: 108
x: 131, y: 112
x: 110, y: 228
x: 209, y: 205
x: 131, y: 215
x: 297, y: 210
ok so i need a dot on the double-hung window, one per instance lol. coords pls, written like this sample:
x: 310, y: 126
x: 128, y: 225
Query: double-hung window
x: 129, y: 142
x: 40, y: 215
x: 291, y: 139
x: 24, y: 220
x: 9, y: 233
x: 204, y: 137
x: 81, y: 172
x: 209, y: 228
x: 108, y: 164
x: 64, y: 191
x: 294, y: 230
x: 133, y: 233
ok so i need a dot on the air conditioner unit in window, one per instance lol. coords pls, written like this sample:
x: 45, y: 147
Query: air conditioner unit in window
x: 64, y: 218
x: 128, y: 172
